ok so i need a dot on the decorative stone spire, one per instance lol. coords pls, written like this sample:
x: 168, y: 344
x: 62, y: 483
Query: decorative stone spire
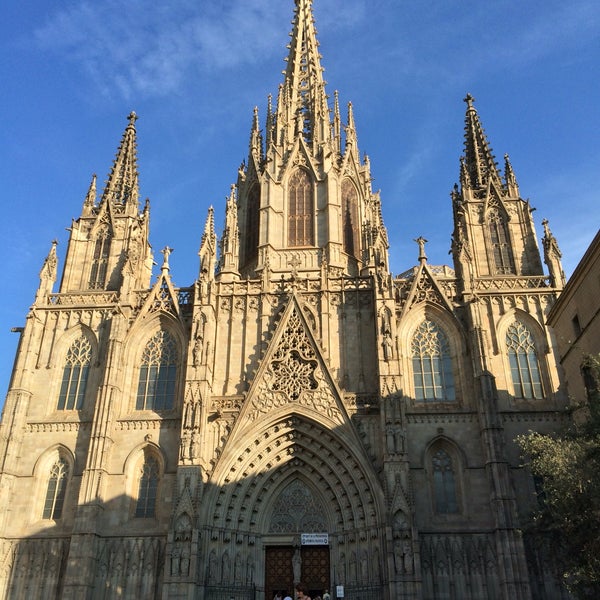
x: 122, y: 187
x: 90, y: 199
x: 256, y: 149
x: 509, y: 177
x: 208, y: 248
x: 552, y: 257
x: 337, y: 123
x: 48, y: 274
x: 302, y: 104
x: 480, y: 165
x: 230, y: 240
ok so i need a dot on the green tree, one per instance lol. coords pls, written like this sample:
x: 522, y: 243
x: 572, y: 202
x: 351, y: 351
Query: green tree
x: 568, y: 467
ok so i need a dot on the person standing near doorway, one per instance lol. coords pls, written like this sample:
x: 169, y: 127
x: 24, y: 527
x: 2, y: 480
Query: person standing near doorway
x: 300, y: 593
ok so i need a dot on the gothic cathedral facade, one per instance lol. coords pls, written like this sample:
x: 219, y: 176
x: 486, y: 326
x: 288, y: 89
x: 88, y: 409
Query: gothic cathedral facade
x: 298, y: 413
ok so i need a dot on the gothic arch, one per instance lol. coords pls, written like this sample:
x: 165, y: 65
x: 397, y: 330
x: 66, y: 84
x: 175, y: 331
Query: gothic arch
x: 445, y: 465
x: 41, y: 473
x: 541, y: 349
x: 455, y: 335
x: 141, y: 454
x: 499, y: 244
x: 264, y: 461
x: 300, y: 208
x: 133, y: 351
x: 59, y: 358
x: 350, y: 221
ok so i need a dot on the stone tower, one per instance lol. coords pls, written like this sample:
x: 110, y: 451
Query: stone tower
x: 297, y: 414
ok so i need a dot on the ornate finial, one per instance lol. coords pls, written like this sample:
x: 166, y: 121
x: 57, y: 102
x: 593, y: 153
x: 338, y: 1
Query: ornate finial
x: 166, y: 251
x: 421, y: 241
x: 469, y: 100
x: 546, y: 226
x: 132, y: 117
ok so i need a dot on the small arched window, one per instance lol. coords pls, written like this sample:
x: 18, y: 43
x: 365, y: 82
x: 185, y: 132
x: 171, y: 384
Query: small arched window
x: 300, y: 210
x: 100, y: 260
x: 149, y: 475
x: 504, y: 263
x: 56, y: 490
x: 75, y: 375
x: 523, y: 360
x: 350, y: 217
x: 432, y: 364
x: 252, y: 222
x: 158, y: 373
x: 445, y: 499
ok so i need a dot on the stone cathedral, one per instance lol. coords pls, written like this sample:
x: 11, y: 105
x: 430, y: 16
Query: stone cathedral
x: 298, y: 413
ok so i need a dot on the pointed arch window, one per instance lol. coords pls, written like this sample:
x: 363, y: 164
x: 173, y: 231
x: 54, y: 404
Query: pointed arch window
x: 56, y: 490
x: 300, y: 210
x: 432, y: 364
x: 252, y: 221
x: 445, y: 499
x: 75, y: 375
x: 524, y: 364
x: 158, y: 372
x: 100, y: 260
x: 145, y: 506
x: 350, y: 217
x: 501, y: 250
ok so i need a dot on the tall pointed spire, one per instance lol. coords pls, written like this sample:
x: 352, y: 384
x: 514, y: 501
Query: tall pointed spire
x: 122, y: 185
x: 90, y: 199
x: 480, y: 164
x: 302, y: 105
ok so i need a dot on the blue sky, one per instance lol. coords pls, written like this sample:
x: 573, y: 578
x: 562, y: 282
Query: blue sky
x: 71, y: 71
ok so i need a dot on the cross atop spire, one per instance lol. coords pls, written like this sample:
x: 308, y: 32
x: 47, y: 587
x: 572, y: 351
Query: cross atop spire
x: 480, y: 164
x: 122, y: 186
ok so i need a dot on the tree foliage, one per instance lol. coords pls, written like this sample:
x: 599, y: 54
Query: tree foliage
x: 568, y: 465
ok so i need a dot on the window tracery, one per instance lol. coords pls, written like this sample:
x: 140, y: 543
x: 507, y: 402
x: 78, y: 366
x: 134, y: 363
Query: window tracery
x: 445, y: 498
x: 523, y: 360
x: 100, y: 260
x: 148, y: 488
x: 75, y: 375
x: 158, y: 372
x: 501, y: 249
x: 349, y: 217
x: 432, y: 364
x: 56, y: 490
x: 300, y: 210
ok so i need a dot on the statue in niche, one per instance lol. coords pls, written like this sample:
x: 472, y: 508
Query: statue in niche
x: 176, y: 559
x: 388, y: 348
x: 297, y: 564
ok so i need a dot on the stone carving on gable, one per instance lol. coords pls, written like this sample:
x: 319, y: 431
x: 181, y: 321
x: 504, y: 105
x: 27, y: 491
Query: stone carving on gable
x: 294, y: 375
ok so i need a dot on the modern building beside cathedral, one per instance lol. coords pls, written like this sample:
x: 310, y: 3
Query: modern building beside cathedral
x: 298, y: 414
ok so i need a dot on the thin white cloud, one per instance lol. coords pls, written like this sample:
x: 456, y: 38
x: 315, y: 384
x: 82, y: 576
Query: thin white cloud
x: 135, y: 47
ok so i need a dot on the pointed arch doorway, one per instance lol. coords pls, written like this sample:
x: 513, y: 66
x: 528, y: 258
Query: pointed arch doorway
x: 297, y: 512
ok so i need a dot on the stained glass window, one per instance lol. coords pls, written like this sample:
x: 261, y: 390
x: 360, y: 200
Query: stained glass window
x: 432, y: 364
x: 75, y: 375
x: 503, y: 258
x: 57, y: 487
x: 100, y: 261
x: 444, y: 484
x: 300, y: 210
x: 158, y: 372
x: 148, y: 488
x: 524, y: 366
x: 349, y: 217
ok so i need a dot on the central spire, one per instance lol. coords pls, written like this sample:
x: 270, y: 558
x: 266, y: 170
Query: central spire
x: 302, y: 104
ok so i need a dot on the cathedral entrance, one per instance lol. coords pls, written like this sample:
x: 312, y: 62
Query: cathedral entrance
x: 282, y: 567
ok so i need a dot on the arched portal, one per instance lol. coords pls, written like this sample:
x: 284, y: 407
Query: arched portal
x: 288, y: 477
